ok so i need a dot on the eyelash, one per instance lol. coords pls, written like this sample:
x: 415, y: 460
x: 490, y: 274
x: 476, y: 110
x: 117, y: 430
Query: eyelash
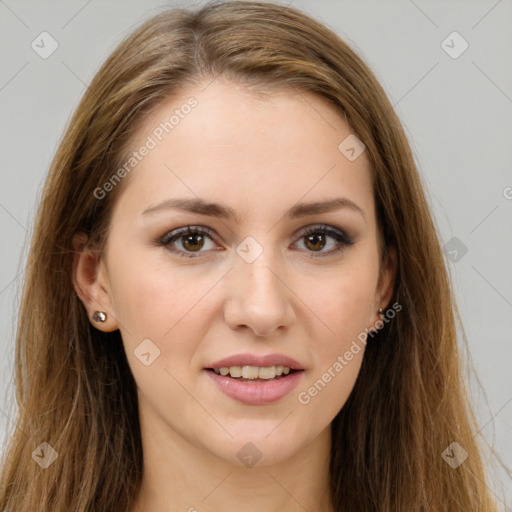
x: 340, y: 236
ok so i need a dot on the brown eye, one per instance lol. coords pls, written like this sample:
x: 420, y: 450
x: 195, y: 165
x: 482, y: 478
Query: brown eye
x: 193, y: 242
x: 315, y: 242
x: 316, y: 238
x: 188, y: 240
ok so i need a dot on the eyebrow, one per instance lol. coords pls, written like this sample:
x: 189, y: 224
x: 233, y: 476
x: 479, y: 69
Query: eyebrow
x: 201, y: 207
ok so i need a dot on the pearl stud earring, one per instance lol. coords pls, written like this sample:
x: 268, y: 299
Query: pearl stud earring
x: 99, y: 316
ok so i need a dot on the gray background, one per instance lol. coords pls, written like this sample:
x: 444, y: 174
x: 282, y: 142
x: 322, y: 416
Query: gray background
x: 457, y: 113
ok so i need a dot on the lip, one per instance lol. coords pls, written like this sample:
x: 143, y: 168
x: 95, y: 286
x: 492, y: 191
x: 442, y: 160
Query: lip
x: 255, y: 360
x: 256, y: 393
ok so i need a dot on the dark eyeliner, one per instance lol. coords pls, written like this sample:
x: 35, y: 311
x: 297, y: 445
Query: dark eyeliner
x: 177, y: 233
x: 186, y: 230
x: 336, y: 234
x: 340, y: 236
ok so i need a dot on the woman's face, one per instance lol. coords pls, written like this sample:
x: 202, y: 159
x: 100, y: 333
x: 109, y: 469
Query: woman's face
x: 253, y: 284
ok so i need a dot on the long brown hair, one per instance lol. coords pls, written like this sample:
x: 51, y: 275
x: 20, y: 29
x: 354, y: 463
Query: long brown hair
x: 74, y: 388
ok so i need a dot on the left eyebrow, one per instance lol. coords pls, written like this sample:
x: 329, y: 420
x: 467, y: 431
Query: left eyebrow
x: 303, y: 209
x: 201, y: 207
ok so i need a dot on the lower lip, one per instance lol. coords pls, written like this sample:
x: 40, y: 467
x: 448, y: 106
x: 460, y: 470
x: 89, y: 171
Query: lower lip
x: 260, y: 392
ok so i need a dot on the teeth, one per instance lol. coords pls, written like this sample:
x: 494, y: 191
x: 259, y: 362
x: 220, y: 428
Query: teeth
x: 268, y: 372
x: 235, y: 371
x: 253, y: 372
x: 250, y: 372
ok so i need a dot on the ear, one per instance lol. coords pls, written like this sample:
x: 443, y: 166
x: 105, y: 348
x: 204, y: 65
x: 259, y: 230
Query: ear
x: 90, y: 281
x: 386, y: 282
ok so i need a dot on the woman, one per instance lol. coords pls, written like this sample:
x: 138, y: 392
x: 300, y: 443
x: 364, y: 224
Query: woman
x: 235, y: 295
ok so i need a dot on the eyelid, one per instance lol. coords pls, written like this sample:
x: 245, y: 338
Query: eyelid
x: 341, y: 237
x: 338, y: 234
x: 332, y: 231
x: 175, y: 233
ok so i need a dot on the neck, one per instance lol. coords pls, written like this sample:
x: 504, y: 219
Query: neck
x: 181, y: 477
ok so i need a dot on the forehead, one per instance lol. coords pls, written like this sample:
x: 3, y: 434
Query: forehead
x: 226, y: 144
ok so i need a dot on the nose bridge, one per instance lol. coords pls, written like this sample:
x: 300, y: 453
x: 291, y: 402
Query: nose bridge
x: 258, y: 297
x: 260, y: 278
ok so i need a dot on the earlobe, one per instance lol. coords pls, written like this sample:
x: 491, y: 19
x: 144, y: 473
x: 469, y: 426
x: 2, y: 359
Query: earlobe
x: 88, y: 281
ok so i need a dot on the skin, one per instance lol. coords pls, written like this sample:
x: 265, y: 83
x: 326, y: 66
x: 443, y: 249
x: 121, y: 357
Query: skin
x: 259, y: 157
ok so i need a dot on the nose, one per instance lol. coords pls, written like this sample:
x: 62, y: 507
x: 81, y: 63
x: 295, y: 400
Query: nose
x: 258, y: 298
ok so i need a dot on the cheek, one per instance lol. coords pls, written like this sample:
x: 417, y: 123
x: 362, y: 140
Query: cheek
x: 169, y: 307
x: 337, y: 360
x: 344, y: 302
x: 154, y: 298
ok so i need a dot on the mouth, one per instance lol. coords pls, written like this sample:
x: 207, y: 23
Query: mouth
x: 255, y: 385
x: 256, y: 379
x: 254, y: 374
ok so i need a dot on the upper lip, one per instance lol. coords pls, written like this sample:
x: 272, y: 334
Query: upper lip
x: 257, y: 360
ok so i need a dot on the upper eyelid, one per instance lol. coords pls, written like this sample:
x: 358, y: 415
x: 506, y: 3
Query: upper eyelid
x: 183, y: 230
